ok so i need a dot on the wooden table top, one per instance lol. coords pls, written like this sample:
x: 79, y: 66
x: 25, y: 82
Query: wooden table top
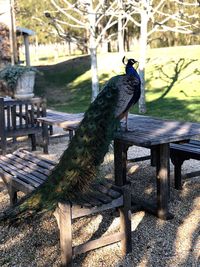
x: 64, y: 120
x: 142, y: 130
x: 148, y: 131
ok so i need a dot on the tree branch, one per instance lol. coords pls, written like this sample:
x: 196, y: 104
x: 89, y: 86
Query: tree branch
x: 79, y: 22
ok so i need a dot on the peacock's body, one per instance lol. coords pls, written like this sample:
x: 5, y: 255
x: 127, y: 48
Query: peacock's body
x: 80, y: 161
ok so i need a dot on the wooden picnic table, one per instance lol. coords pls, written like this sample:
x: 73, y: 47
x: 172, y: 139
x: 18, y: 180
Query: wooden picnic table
x: 155, y: 134
x: 144, y: 131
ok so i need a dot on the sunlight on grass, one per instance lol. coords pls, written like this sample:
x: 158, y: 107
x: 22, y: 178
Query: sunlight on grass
x: 172, y: 82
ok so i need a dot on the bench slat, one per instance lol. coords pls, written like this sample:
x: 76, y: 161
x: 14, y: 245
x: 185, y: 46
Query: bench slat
x: 22, y: 174
x: 26, y: 178
x: 37, y: 160
x: 29, y: 164
x: 19, y: 184
x: 26, y: 169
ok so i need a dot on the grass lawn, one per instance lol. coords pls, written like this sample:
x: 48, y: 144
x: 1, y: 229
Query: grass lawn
x: 172, y: 82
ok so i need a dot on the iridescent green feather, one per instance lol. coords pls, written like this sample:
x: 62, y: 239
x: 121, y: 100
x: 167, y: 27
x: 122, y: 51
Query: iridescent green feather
x: 80, y: 161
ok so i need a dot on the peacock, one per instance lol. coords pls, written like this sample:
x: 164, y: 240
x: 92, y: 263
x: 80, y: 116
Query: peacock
x: 79, y: 163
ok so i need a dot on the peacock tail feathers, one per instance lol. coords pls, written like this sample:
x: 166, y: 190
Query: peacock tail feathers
x: 80, y: 161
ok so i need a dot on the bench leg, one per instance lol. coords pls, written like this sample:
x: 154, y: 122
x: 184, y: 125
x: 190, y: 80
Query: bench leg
x: 177, y: 162
x: 125, y: 222
x: 45, y: 137
x: 33, y: 142
x: 163, y: 182
x: 63, y: 215
x: 3, y: 145
x: 178, y: 175
x: 50, y: 129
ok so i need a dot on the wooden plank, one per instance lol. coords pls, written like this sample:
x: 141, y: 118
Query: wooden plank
x: 103, y: 198
x: 13, y: 117
x: 8, y: 118
x: 139, y: 159
x: 90, y: 199
x: 108, y: 191
x: 2, y: 126
x: 125, y: 221
x: 26, y: 167
x: 186, y: 148
x: 162, y: 175
x: 18, y: 184
x: 50, y: 162
x: 77, y: 212
x: 109, y: 184
x: 101, y: 242
x: 26, y: 115
x: 22, y: 131
x: 29, y: 164
x: 36, y: 160
x: 191, y: 174
x: 65, y: 225
x: 28, y: 178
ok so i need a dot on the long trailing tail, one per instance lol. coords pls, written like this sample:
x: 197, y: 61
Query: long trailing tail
x: 80, y: 161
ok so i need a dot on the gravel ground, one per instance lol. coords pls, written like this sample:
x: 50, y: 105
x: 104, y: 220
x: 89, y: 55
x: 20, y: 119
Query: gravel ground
x: 155, y: 242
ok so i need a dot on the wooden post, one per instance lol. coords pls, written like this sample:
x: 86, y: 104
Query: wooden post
x: 45, y: 134
x: 2, y: 127
x: 177, y: 161
x: 63, y: 215
x: 177, y: 175
x: 33, y: 142
x: 162, y: 170
x: 125, y: 221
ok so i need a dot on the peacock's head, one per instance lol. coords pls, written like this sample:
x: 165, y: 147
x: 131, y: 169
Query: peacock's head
x: 130, y: 61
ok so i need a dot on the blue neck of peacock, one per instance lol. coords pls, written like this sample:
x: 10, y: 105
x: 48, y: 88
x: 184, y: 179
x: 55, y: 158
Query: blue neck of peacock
x: 130, y: 70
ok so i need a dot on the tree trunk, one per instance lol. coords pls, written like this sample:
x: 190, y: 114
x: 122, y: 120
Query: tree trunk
x: 143, y: 47
x: 120, y: 34
x: 93, y: 51
x: 94, y: 73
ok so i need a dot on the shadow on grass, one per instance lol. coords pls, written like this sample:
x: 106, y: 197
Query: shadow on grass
x: 173, y: 108
x: 178, y: 68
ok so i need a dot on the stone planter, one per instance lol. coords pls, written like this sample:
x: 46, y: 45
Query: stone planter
x: 25, y: 86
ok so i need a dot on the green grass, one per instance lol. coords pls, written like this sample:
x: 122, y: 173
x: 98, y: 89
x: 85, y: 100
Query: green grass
x: 172, y: 82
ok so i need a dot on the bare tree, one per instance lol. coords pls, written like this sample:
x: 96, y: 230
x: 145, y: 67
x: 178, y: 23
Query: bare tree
x: 149, y: 15
x: 86, y: 15
x: 155, y: 16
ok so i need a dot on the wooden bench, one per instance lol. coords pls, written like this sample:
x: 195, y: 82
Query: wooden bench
x: 19, y: 118
x: 181, y: 152
x: 25, y: 171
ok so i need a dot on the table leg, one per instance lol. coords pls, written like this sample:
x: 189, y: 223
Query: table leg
x: 162, y: 176
x: 71, y: 134
x: 45, y: 137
